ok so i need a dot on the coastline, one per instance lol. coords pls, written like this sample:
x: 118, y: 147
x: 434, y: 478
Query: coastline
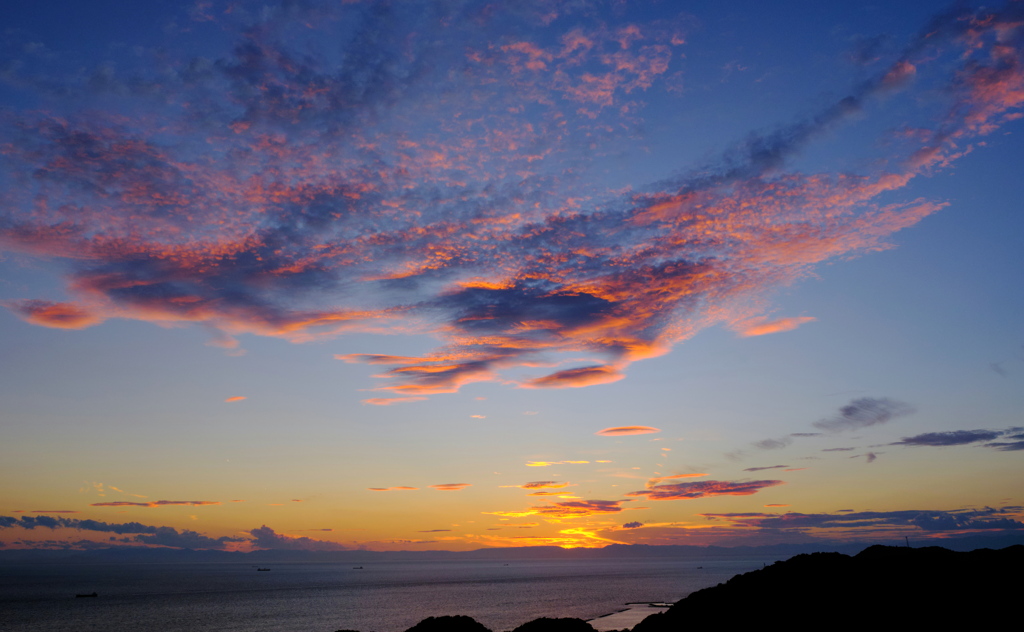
x: 626, y: 618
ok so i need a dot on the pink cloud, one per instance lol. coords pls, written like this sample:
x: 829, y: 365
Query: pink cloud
x: 572, y: 378
x: 763, y: 326
x: 451, y: 487
x: 627, y: 430
x: 654, y: 481
x: 58, y: 315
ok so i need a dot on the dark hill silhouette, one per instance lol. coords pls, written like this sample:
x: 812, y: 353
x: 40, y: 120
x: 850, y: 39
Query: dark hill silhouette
x: 458, y: 623
x: 545, y: 624
x: 882, y: 587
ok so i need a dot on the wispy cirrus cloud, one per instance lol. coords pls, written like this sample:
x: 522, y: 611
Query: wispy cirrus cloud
x: 656, y: 480
x: 451, y: 487
x: 763, y: 326
x: 1009, y: 439
x: 864, y: 412
x: 157, y: 503
x: 772, y: 444
x: 703, y: 489
x: 543, y: 485
x: 279, y: 191
x: 392, y: 489
x: 567, y: 509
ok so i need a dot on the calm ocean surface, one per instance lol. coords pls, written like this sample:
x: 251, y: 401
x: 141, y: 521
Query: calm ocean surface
x: 298, y: 597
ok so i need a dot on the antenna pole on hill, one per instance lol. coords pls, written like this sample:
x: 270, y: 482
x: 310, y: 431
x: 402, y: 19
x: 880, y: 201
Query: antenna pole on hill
x: 908, y: 541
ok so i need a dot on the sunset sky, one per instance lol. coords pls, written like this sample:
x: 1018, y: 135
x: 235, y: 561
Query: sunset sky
x: 457, y: 274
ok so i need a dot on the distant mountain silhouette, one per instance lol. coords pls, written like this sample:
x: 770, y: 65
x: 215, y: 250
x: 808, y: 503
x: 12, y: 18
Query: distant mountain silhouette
x: 138, y: 554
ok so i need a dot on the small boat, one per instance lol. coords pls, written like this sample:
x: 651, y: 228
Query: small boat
x: 357, y: 568
x: 263, y: 569
x: 80, y: 596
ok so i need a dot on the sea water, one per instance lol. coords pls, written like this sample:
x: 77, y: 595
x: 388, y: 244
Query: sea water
x: 324, y: 597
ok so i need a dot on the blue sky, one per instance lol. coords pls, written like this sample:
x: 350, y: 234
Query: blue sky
x: 264, y: 264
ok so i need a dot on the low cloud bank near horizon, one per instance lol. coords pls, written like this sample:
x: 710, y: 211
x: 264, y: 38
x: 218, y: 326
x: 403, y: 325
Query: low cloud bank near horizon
x: 141, y: 534
x: 988, y: 518
x: 137, y: 533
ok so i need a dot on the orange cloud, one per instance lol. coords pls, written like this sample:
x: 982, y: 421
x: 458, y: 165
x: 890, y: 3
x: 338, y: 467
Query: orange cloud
x: 626, y: 430
x: 568, y: 509
x: 236, y: 398
x: 58, y: 315
x: 451, y: 487
x: 391, y: 489
x: 654, y: 481
x: 544, y: 485
x: 762, y: 326
x: 584, y: 376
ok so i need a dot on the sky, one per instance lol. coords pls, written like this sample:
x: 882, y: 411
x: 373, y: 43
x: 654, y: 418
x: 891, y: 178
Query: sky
x: 454, y: 274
